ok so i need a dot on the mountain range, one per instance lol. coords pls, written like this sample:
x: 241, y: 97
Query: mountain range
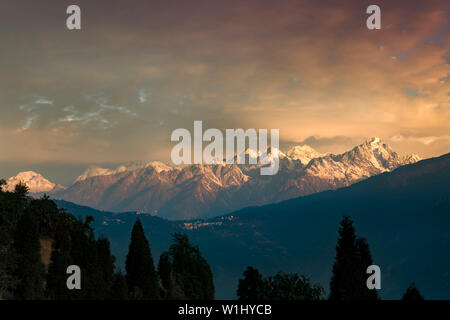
x: 403, y: 214
x: 203, y: 191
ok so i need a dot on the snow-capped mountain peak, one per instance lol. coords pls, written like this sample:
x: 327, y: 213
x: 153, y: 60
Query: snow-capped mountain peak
x: 367, y: 159
x: 372, y: 144
x: 34, y: 181
x: 375, y: 142
x: 304, y: 153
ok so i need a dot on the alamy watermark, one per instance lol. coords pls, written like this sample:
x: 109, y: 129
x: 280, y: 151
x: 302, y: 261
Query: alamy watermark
x: 256, y: 153
x: 73, y: 21
x: 374, y: 280
x: 74, y: 280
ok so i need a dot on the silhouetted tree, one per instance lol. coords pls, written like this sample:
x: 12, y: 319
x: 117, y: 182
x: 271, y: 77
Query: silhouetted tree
x: 184, y: 273
x: 47, y: 215
x: 141, y: 275
x: 412, y: 294
x: 349, y: 279
x: 365, y: 260
x: 281, y: 286
x: 251, y: 286
x: 345, y: 280
x: 84, y: 254
x: 190, y: 270
x: 106, y: 268
x: 284, y: 286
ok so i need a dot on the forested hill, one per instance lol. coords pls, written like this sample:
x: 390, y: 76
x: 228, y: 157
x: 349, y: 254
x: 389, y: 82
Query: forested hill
x: 39, y: 242
x: 404, y: 214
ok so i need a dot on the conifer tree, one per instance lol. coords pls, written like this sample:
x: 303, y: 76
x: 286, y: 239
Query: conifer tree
x: 345, y: 280
x: 349, y: 279
x: 365, y: 260
x: 141, y: 275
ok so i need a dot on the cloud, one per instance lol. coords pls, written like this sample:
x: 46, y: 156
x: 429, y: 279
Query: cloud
x: 411, y: 92
x: 426, y: 140
x: 144, y: 95
x: 116, y: 89
x: 336, y: 144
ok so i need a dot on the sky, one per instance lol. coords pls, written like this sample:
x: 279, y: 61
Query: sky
x: 115, y: 90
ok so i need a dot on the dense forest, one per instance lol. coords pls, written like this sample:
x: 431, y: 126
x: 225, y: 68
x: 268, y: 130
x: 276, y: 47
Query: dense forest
x: 38, y: 241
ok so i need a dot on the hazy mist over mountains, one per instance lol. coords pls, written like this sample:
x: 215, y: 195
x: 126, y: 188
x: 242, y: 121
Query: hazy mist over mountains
x: 201, y: 191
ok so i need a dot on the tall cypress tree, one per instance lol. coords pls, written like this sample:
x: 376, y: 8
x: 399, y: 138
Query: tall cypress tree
x: 141, y: 275
x: 29, y: 270
x: 365, y: 260
x: 349, y: 279
x: 345, y: 280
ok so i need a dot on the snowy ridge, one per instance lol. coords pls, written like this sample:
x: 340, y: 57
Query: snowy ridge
x: 98, y: 171
x: 200, y: 191
x: 34, y: 181
x: 303, y: 153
